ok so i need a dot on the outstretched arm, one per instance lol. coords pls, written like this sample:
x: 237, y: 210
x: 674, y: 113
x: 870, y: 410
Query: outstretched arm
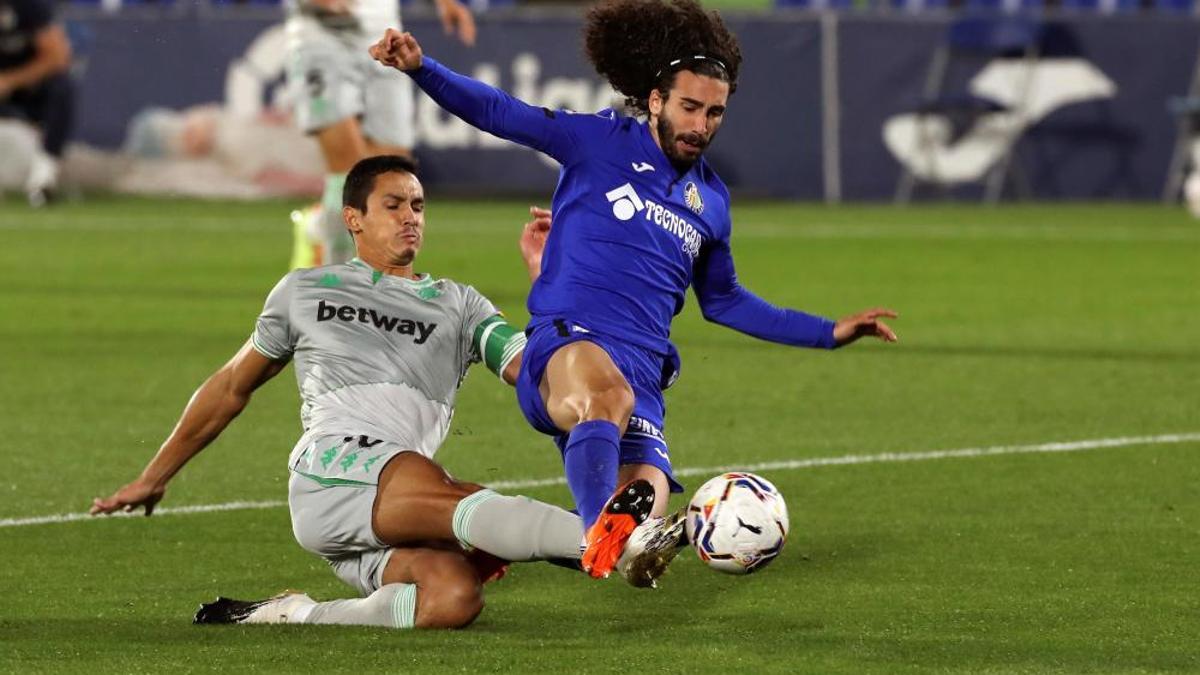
x: 480, y: 105
x: 723, y: 300
x: 210, y: 410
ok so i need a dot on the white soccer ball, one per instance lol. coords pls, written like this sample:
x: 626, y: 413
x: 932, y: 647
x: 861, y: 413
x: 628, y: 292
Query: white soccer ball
x: 737, y: 522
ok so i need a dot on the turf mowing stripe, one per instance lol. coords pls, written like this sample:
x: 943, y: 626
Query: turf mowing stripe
x: 785, y: 465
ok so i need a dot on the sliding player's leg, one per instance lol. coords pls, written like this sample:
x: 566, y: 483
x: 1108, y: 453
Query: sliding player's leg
x: 418, y: 588
x: 417, y: 501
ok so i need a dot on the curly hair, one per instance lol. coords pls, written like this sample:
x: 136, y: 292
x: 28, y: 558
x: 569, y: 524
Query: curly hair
x: 639, y: 45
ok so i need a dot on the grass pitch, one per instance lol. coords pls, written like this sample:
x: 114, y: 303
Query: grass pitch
x: 1019, y: 325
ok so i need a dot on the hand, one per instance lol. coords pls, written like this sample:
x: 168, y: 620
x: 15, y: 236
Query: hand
x: 864, y: 324
x: 397, y: 50
x: 456, y: 18
x: 533, y: 239
x: 138, y: 493
x: 7, y: 87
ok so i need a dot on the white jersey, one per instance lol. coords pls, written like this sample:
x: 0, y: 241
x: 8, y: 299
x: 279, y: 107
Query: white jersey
x: 375, y: 355
x: 358, y: 29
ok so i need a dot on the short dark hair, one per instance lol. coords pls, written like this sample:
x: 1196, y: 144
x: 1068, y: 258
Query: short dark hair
x: 361, y: 179
x: 640, y: 45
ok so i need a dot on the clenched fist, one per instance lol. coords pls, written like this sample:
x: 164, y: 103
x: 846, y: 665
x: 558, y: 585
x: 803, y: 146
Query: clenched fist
x: 397, y: 50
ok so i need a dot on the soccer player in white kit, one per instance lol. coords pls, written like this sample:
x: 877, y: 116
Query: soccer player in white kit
x: 379, y: 354
x: 347, y: 101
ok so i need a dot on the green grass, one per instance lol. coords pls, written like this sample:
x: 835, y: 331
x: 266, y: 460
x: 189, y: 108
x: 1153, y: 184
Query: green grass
x: 1019, y: 325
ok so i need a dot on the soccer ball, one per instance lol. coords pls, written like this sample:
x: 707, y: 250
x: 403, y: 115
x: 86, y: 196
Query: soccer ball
x: 737, y: 522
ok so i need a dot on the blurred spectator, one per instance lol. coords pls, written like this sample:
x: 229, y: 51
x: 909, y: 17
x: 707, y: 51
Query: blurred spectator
x: 35, y: 56
x: 1191, y: 187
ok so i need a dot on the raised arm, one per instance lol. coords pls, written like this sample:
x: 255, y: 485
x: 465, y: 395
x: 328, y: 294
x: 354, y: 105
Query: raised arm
x: 210, y: 410
x: 480, y: 105
x: 723, y: 300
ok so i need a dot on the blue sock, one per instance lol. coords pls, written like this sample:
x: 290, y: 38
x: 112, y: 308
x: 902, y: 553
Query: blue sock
x: 591, y: 460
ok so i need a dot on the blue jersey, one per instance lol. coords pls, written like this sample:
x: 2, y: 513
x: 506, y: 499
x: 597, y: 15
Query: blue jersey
x: 630, y: 234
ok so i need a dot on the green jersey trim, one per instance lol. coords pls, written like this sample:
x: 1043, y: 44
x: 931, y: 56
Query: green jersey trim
x: 497, y: 343
x: 334, y: 482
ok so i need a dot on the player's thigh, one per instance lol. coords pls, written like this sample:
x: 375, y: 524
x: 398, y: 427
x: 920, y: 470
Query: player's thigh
x: 449, y: 594
x: 342, y: 145
x: 656, y: 477
x: 582, y: 383
x: 416, y: 500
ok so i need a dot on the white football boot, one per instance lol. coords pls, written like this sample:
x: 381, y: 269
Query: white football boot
x: 280, y: 609
x: 651, y: 548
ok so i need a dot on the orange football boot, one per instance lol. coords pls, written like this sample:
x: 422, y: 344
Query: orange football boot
x: 626, y: 509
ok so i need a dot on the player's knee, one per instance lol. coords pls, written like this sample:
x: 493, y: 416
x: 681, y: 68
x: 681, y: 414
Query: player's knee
x: 614, y: 402
x: 454, y: 601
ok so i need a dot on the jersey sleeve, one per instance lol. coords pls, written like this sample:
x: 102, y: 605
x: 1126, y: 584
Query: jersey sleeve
x: 725, y: 301
x: 492, y: 340
x: 562, y: 135
x: 273, y: 336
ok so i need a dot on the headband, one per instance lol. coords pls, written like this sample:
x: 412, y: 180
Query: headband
x: 691, y: 59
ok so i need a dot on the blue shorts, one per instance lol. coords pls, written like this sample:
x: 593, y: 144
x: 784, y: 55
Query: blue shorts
x: 646, y: 372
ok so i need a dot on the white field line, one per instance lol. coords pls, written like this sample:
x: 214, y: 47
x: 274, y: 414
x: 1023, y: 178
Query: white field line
x: 785, y: 465
x: 167, y: 511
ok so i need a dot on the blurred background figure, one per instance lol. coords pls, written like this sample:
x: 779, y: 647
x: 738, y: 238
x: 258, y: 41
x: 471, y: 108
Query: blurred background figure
x: 206, y: 150
x: 35, y: 87
x: 353, y: 106
x: 1191, y: 187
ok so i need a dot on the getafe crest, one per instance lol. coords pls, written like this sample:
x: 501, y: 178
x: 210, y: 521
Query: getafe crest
x: 691, y: 195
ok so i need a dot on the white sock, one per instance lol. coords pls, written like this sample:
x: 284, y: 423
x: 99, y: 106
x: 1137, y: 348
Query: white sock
x: 517, y: 528
x: 43, y: 172
x: 392, y: 606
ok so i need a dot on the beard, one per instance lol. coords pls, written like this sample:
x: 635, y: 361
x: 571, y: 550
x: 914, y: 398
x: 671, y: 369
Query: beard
x: 669, y: 141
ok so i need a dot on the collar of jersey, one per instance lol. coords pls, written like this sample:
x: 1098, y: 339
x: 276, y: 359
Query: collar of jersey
x: 422, y: 280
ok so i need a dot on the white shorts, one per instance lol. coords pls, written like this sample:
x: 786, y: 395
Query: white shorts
x: 329, y: 82
x: 331, y: 494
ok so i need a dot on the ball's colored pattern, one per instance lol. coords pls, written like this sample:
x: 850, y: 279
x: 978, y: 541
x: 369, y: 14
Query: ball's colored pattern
x: 737, y: 522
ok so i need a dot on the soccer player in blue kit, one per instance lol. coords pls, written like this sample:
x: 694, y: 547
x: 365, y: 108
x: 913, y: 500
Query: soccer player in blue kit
x: 639, y: 216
